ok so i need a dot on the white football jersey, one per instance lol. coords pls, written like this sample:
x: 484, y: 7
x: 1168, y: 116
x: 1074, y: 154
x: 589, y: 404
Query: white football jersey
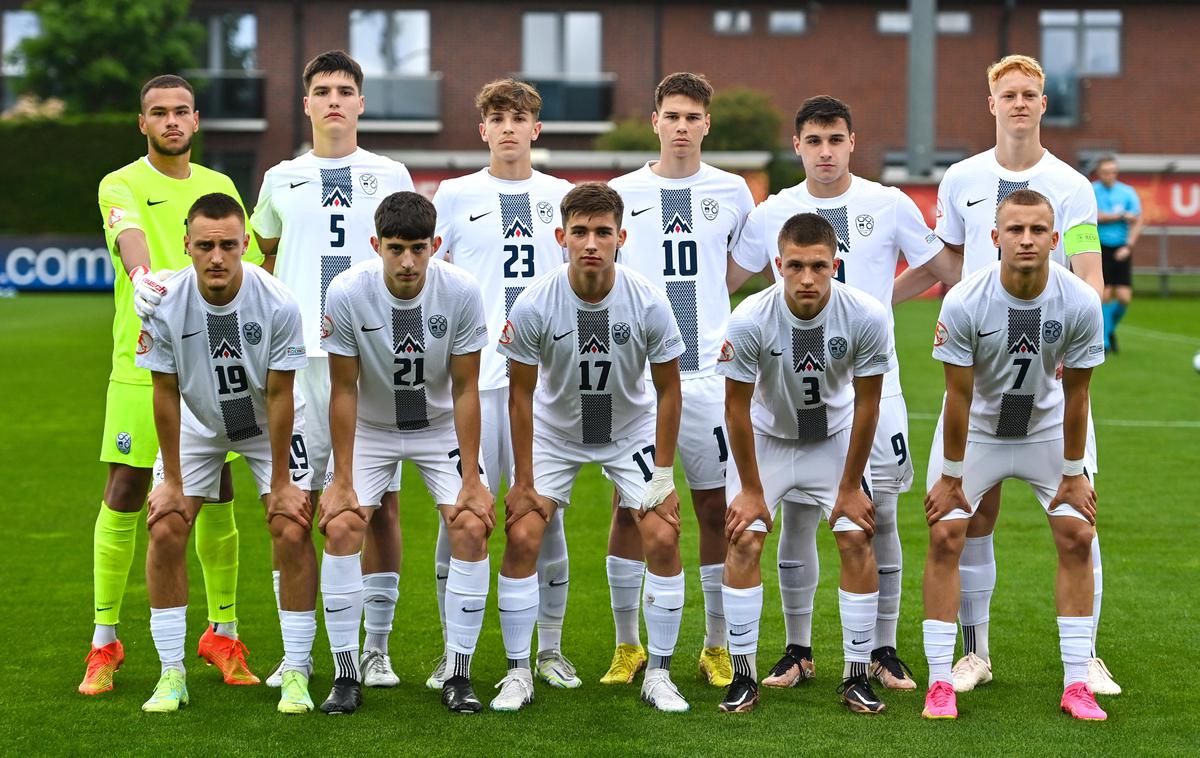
x: 221, y: 354
x: 680, y: 232
x: 322, y: 210
x: 874, y: 223
x: 973, y: 188
x: 804, y: 371
x: 592, y: 385
x: 503, y: 233
x: 404, y: 346
x: 1015, y: 346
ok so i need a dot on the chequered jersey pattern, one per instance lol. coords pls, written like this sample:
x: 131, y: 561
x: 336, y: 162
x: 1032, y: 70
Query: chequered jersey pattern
x: 516, y: 218
x: 682, y: 296
x: 408, y: 340
x: 1024, y: 339
x: 595, y: 408
x: 331, y: 266
x: 839, y: 218
x: 677, y: 211
x: 337, y: 187
x: 224, y: 337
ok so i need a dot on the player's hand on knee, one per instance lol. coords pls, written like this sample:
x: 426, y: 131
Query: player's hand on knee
x: 662, y: 484
x: 522, y: 500
x: 853, y: 503
x: 667, y: 510
x: 1078, y: 493
x: 746, y: 508
x: 337, y: 499
x: 165, y: 499
x: 148, y: 290
x: 477, y: 499
x: 947, y: 495
x: 288, y: 501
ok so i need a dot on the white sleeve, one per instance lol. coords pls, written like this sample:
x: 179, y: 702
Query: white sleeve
x: 950, y: 225
x: 752, y: 251
x: 287, y: 338
x: 154, y: 349
x: 521, y: 338
x: 1085, y: 348
x: 472, y: 332
x: 443, y: 203
x: 739, y: 353
x: 404, y: 178
x: 742, y: 207
x: 914, y: 238
x: 265, y: 220
x: 954, y: 340
x: 337, y: 333
x: 663, y: 339
x: 873, y: 352
x: 1080, y: 207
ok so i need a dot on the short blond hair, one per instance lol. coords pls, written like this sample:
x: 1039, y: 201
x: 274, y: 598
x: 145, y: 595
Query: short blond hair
x: 508, y: 95
x: 1021, y: 63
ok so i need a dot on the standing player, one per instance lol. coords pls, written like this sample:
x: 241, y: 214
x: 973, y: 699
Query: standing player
x: 498, y: 224
x: 804, y: 363
x: 1001, y: 334
x: 314, y: 220
x: 405, y: 333
x: 968, y: 199
x: 1120, y: 217
x: 582, y: 337
x: 227, y: 339
x: 684, y: 215
x: 874, y: 225
x: 143, y: 206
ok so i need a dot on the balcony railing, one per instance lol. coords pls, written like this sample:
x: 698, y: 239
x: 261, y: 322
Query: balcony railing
x: 403, y: 98
x: 574, y: 98
x: 229, y: 95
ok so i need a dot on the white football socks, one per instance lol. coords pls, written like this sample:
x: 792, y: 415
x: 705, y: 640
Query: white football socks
x: 168, y: 628
x: 554, y: 578
x: 977, y: 577
x: 711, y: 577
x: 342, y: 595
x: 799, y: 569
x: 858, y: 612
x: 662, y: 603
x: 518, y: 603
x: 743, y: 611
x: 1075, y: 644
x: 299, y: 630
x: 1097, y: 589
x: 889, y: 558
x: 466, y: 598
x: 939, y: 649
x: 625, y: 587
x: 441, y: 571
x: 380, y: 593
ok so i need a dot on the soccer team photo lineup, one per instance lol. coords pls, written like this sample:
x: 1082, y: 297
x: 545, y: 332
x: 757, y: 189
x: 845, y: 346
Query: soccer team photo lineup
x: 515, y: 327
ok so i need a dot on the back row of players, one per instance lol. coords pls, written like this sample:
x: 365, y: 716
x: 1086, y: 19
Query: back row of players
x: 403, y: 344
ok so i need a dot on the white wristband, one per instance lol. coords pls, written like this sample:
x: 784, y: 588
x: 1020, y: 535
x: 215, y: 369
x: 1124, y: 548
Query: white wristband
x: 1073, y: 468
x: 952, y: 469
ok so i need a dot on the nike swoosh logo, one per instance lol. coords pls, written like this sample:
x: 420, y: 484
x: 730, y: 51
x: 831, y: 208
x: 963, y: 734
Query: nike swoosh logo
x: 985, y: 334
x: 378, y: 600
x: 672, y: 610
x: 439, y: 577
x: 886, y: 573
x: 975, y: 202
x: 294, y: 185
x: 557, y: 337
x: 153, y: 203
x: 372, y: 329
x: 738, y: 634
x: 339, y: 610
x: 472, y: 610
x: 745, y: 696
x: 481, y: 215
x: 643, y: 210
x: 105, y: 608
x: 559, y: 584
x: 192, y: 334
x: 860, y: 642
x: 504, y: 610
x: 298, y: 477
x: 776, y: 353
x: 226, y: 607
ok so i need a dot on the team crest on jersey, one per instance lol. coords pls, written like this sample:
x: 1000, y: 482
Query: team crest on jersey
x: 940, y: 335
x: 124, y: 442
x: 337, y: 187
x: 115, y: 215
x: 145, y: 342
x: 1051, y: 331
x: 369, y: 183
x: 507, y: 333
x: 326, y: 326
x: 516, y: 219
x: 621, y: 332
x: 837, y: 348
x: 710, y: 208
x: 676, y: 211
x: 437, y: 326
x: 252, y: 332
x: 865, y: 223
x: 545, y: 212
x: 726, y: 352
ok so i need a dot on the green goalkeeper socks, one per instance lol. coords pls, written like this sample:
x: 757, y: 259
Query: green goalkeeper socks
x: 217, y: 548
x: 112, y: 554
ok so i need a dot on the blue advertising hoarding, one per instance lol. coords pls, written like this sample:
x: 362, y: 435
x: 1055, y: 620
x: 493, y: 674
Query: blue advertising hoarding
x: 55, y: 263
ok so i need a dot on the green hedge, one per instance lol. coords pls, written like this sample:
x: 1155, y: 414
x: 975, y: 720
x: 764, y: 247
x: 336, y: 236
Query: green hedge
x: 52, y: 167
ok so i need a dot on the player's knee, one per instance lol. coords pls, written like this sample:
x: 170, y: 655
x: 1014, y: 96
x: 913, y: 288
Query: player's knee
x: 344, y: 534
x: 170, y: 532
x: 660, y: 542
x: 746, y: 553
x: 1074, y: 542
x: 287, y: 535
x: 854, y: 546
x: 468, y: 529
x: 524, y: 539
x: 945, y: 543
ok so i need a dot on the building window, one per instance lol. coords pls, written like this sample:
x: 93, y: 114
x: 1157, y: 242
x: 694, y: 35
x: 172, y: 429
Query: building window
x: 1076, y: 44
x: 731, y: 22
x: 900, y: 22
x: 561, y: 56
x: 229, y: 86
x: 231, y: 44
x: 787, y: 22
x: 393, y: 48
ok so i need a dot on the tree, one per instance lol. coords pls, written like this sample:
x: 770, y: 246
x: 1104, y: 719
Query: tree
x: 97, y: 54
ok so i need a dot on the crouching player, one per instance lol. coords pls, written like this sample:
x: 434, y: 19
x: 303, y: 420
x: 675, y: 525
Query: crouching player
x: 581, y: 336
x: 1001, y: 334
x: 227, y: 339
x: 403, y: 334
x: 804, y: 363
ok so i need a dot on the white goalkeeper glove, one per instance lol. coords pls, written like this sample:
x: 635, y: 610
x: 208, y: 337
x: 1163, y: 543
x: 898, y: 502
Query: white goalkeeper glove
x: 148, y: 290
x: 662, y: 484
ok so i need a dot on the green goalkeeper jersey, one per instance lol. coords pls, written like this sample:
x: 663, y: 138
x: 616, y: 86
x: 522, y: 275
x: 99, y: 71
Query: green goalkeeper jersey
x: 138, y: 196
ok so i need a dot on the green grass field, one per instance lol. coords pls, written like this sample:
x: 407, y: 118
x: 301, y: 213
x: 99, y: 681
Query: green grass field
x: 1147, y: 401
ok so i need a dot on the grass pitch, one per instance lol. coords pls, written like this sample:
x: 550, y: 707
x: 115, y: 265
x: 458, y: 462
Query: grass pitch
x: 1147, y: 401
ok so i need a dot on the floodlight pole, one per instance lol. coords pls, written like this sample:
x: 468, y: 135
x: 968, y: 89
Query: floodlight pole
x: 922, y: 56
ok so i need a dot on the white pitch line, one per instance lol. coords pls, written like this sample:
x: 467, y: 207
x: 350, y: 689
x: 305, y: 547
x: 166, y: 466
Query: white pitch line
x: 1165, y: 336
x: 1129, y: 422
